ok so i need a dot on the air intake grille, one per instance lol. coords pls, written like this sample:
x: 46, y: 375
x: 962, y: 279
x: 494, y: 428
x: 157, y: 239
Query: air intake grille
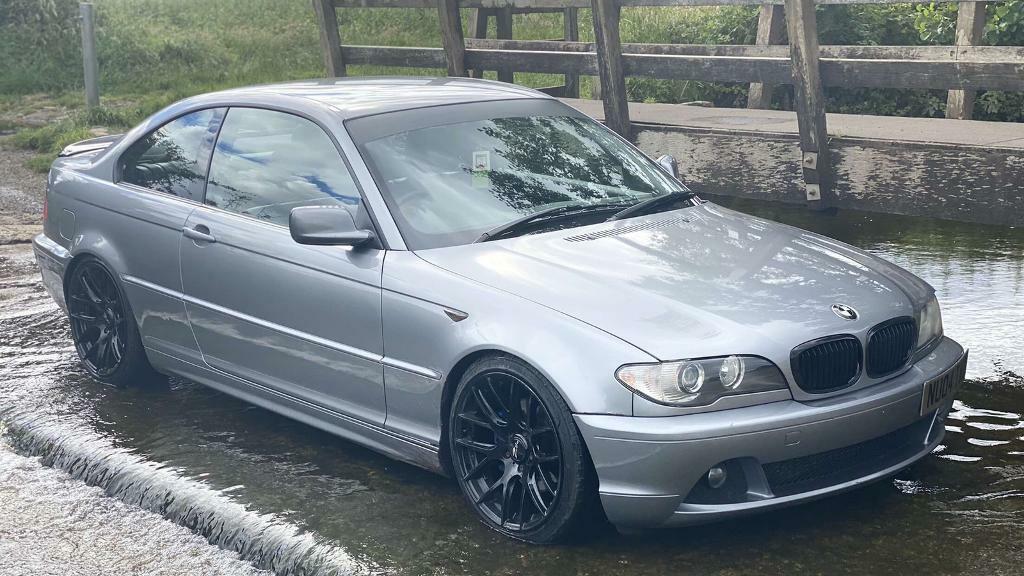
x: 844, y: 464
x: 624, y: 229
x: 827, y: 365
x: 890, y: 345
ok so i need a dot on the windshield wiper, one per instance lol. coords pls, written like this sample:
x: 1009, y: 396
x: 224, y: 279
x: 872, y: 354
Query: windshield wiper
x: 651, y: 203
x: 517, y: 225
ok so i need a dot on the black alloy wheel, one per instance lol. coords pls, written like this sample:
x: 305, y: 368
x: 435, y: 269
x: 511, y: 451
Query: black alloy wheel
x: 516, y: 453
x: 98, y: 318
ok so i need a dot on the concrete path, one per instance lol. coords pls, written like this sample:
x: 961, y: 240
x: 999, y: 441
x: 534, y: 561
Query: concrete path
x: 1007, y: 135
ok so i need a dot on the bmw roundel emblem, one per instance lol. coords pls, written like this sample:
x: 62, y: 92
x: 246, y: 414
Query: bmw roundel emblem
x: 845, y: 312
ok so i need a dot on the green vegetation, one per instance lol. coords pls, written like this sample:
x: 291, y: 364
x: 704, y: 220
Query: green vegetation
x: 153, y: 52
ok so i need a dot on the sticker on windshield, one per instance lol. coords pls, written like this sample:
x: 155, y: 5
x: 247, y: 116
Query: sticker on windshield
x: 481, y: 169
x: 481, y: 161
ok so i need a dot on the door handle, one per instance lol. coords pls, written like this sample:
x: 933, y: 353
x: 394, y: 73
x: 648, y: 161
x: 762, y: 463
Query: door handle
x: 200, y: 234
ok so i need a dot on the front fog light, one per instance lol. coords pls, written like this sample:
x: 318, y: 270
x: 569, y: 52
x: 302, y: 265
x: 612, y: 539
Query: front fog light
x: 691, y: 377
x: 730, y: 374
x: 717, y: 477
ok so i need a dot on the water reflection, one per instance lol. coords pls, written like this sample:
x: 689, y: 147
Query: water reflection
x: 977, y: 271
x: 170, y: 159
x: 961, y: 511
x: 266, y: 163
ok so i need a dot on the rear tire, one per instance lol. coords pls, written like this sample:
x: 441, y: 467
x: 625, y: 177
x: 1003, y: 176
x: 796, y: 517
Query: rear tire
x: 103, y: 327
x: 517, y: 454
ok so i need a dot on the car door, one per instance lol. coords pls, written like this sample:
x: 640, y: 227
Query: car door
x: 304, y: 321
x: 159, y: 179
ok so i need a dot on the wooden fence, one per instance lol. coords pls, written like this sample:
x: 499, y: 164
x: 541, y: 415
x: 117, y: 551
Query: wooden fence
x: 808, y: 67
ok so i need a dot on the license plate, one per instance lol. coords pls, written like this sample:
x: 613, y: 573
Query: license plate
x: 941, y: 389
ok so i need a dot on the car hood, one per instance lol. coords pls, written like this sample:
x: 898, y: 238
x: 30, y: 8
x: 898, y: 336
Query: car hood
x: 695, y: 282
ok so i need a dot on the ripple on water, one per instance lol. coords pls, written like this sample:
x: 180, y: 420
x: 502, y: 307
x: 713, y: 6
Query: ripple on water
x: 310, y: 500
x: 263, y: 539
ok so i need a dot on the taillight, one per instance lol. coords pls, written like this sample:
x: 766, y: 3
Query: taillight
x: 46, y: 210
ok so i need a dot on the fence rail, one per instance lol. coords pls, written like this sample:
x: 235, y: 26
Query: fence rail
x: 723, y: 64
x: 962, y: 68
x: 559, y: 5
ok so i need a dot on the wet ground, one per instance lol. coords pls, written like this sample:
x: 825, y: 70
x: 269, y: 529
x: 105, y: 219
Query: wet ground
x: 21, y: 196
x: 55, y: 524
x: 296, y: 500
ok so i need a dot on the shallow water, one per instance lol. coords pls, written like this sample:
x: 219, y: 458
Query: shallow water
x: 52, y: 524
x: 297, y: 500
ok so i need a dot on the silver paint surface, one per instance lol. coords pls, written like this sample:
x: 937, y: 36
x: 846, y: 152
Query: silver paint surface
x: 356, y: 340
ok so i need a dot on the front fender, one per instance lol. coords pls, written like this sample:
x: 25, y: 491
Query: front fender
x: 423, y: 344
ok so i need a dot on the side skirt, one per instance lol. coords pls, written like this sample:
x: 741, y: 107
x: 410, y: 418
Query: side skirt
x: 376, y: 438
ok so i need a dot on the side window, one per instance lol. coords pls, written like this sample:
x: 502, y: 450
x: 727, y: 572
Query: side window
x: 265, y: 163
x: 172, y: 159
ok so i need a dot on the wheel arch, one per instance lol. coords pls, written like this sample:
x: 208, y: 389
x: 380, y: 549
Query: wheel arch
x: 82, y: 256
x: 92, y: 245
x: 451, y: 382
x: 106, y: 255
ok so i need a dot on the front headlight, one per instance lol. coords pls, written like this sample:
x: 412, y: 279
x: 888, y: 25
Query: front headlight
x: 701, y: 381
x: 929, y: 323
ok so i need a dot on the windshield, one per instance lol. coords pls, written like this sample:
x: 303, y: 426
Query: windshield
x: 448, y: 184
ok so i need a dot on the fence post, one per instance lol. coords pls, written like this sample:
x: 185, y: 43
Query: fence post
x: 478, y: 29
x: 451, y: 37
x: 503, y: 22
x: 571, y: 27
x: 330, y: 37
x: 89, y: 63
x: 770, y: 26
x: 802, y: 26
x: 609, y: 64
x: 970, y: 27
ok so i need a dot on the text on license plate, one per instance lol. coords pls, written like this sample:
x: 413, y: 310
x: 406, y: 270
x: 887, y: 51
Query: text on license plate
x: 941, y: 389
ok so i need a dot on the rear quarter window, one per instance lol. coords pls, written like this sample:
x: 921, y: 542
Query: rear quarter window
x: 173, y: 158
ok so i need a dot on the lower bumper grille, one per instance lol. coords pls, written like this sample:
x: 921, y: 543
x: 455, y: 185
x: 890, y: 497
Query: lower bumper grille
x: 833, y: 467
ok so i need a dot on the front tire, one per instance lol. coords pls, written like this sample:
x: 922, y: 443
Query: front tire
x: 103, y: 327
x: 516, y: 452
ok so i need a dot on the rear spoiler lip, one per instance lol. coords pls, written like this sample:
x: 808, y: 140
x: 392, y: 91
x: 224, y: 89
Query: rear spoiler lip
x: 90, y: 145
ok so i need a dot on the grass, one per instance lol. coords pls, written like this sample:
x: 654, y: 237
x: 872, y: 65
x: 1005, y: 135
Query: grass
x: 149, y: 46
x: 120, y: 114
x: 152, y: 52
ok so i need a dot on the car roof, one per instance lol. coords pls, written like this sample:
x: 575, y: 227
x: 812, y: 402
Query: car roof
x: 363, y: 96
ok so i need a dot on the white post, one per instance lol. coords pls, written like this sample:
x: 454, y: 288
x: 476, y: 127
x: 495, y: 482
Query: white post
x: 89, y: 62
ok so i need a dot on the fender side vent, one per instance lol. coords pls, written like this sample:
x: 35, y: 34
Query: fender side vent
x: 624, y: 230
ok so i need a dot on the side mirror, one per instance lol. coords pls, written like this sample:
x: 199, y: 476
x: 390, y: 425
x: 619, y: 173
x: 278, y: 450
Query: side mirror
x: 670, y: 165
x: 326, y: 226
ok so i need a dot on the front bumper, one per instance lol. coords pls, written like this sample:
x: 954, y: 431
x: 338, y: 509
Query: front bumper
x: 652, y: 470
x: 53, y: 260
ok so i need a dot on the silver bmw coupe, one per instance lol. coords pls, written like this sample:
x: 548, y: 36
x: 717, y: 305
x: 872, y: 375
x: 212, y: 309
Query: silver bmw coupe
x: 478, y: 279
